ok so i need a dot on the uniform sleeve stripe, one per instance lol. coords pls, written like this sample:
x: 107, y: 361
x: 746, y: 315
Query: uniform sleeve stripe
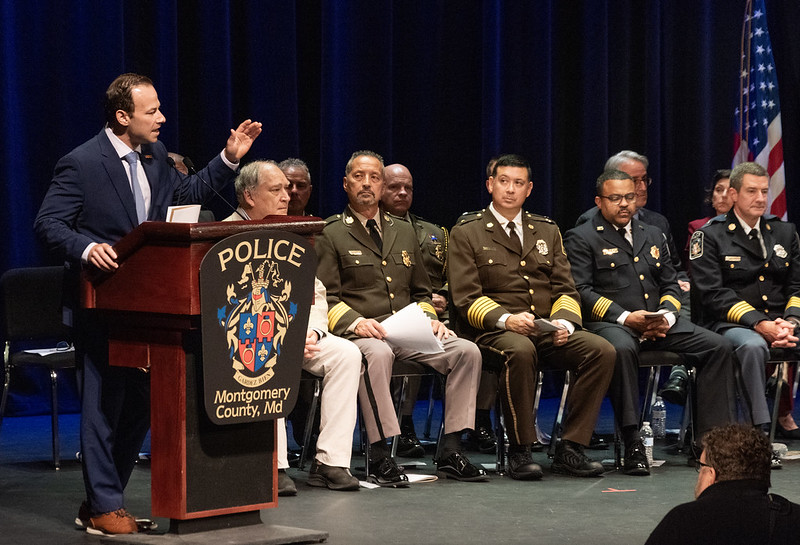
x: 427, y: 307
x: 738, y: 310
x: 600, y: 308
x: 336, y: 313
x: 793, y: 302
x: 478, y: 311
x: 567, y: 304
x: 671, y: 299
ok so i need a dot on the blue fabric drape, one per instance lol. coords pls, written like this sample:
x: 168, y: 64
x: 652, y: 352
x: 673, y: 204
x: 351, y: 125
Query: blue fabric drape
x: 439, y: 86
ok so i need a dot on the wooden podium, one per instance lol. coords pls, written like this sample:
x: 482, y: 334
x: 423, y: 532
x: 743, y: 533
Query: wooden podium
x: 200, y: 472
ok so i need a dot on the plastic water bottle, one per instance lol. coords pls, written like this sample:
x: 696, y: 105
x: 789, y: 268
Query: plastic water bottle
x: 659, y: 419
x: 647, y: 439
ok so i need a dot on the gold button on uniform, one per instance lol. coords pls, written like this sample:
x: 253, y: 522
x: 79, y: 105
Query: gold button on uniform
x: 491, y: 261
x: 613, y: 265
x: 761, y: 278
x: 636, y: 259
x: 525, y: 276
x: 388, y: 278
x: 391, y: 296
x: 647, y: 296
x: 641, y: 277
x: 357, y: 262
x: 530, y: 291
x: 522, y: 263
x: 383, y: 263
x: 764, y: 297
x: 533, y: 307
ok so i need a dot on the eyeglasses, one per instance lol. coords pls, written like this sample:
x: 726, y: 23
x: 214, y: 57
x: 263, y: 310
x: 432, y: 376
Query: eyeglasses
x: 698, y: 464
x: 647, y: 180
x: 617, y: 198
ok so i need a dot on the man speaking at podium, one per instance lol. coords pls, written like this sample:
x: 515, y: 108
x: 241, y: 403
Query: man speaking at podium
x: 101, y: 191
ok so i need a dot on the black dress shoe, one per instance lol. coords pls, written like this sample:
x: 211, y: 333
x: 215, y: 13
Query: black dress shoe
x: 408, y: 446
x: 780, y: 431
x: 286, y: 486
x: 334, y: 478
x: 597, y: 443
x: 571, y: 460
x: 674, y: 391
x: 456, y: 466
x: 482, y: 439
x: 522, y: 467
x: 636, y: 460
x: 384, y: 472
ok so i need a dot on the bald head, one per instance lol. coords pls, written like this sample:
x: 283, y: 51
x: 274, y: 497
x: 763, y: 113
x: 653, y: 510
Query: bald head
x: 399, y: 189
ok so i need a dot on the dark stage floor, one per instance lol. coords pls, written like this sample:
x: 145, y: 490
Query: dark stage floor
x: 38, y: 504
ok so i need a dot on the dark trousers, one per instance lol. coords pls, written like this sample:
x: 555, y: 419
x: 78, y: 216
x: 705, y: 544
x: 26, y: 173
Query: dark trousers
x: 589, y: 356
x: 709, y: 353
x: 115, y: 417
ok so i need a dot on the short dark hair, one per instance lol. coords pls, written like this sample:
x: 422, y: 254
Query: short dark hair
x: 490, y: 166
x: 294, y: 162
x: 119, y: 96
x: 738, y: 452
x: 720, y: 174
x: 738, y: 172
x: 364, y: 152
x: 512, y: 160
x: 609, y: 174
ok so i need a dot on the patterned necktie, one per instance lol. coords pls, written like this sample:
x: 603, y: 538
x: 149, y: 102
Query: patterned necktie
x: 373, y: 232
x: 515, y: 241
x: 132, y: 158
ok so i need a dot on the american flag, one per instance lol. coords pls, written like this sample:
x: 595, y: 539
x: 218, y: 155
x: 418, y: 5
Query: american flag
x: 758, y: 135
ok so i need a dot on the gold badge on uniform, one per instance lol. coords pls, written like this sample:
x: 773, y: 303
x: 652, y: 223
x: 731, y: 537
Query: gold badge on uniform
x: 731, y: 226
x: 406, y: 259
x: 654, y: 251
x: 780, y: 251
x: 610, y: 251
x: 348, y: 220
x: 439, y: 252
x: 541, y: 245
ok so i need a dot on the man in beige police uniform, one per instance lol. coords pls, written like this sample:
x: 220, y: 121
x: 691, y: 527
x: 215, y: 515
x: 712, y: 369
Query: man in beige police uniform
x: 507, y: 268
x: 372, y: 267
x: 263, y: 190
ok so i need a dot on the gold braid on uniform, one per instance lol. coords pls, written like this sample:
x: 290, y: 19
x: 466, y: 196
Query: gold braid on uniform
x: 335, y: 313
x: 600, y: 308
x: 566, y: 303
x: 738, y: 310
x: 478, y: 310
x: 672, y: 300
x: 794, y: 302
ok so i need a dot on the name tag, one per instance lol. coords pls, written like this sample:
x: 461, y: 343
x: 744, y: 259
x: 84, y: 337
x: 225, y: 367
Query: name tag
x: 354, y: 252
x: 610, y: 251
x: 736, y: 258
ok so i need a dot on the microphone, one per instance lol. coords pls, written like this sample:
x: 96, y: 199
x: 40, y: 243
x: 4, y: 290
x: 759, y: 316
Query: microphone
x: 190, y: 167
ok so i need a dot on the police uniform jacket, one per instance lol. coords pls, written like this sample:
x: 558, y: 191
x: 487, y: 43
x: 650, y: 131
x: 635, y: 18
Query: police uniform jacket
x: 489, y: 278
x: 363, y: 281
x: 433, y: 242
x: 736, y: 284
x: 612, y: 276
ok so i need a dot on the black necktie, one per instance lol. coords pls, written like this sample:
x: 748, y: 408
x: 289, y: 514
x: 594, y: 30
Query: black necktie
x: 373, y: 232
x: 755, y: 244
x: 515, y: 241
x: 622, y: 234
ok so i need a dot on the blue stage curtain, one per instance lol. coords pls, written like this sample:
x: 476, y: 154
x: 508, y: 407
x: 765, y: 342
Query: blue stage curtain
x: 438, y: 86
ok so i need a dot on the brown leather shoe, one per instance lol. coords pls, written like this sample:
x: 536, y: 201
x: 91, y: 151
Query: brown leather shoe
x: 82, y: 520
x: 112, y: 523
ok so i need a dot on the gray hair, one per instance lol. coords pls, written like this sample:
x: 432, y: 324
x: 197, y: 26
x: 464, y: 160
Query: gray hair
x: 247, y: 180
x: 364, y: 152
x: 615, y: 161
x: 738, y: 172
x: 296, y: 163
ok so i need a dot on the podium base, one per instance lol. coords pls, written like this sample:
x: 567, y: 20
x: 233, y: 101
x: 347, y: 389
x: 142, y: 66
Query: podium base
x: 256, y: 534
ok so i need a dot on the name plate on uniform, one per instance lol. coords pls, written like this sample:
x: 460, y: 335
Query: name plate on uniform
x: 256, y: 291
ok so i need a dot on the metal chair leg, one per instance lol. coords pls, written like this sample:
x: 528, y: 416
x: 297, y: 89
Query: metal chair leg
x: 429, y: 418
x: 4, y: 398
x: 54, y: 418
x: 650, y: 393
x: 551, y: 452
x: 310, y: 417
x: 400, y: 400
x: 777, y: 401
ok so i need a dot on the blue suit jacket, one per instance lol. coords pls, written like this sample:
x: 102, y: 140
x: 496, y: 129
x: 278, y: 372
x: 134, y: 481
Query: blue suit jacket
x: 90, y: 197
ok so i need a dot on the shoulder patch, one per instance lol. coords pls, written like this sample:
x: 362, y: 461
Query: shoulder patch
x: 332, y: 219
x: 696, y: 245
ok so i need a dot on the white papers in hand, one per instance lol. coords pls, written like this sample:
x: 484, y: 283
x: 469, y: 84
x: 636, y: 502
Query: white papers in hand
x: 546, y: 326
x: 411, y: 328
x: 188, y: 213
